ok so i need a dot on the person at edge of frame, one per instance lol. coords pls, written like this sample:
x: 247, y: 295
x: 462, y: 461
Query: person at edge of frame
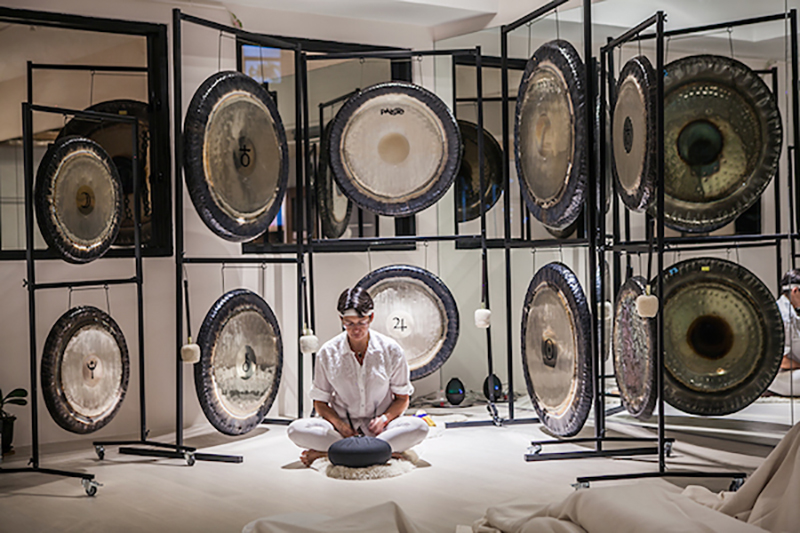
x: 361, y: 386
x: 787, y: 382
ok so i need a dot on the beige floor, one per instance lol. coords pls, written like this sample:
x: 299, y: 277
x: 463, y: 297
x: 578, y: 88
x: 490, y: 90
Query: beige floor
x: 470, y: 469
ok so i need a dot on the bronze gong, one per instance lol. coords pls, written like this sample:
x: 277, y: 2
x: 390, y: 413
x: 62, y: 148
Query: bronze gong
x: 556, y: 349
x: 241, y: 359
x: 78, y: 199
x: 723, y: 336
x: 333, y: 205
x: 549, y: 134
x: 235, y: 156
x: 722, y: 141
x: 468, y: 203
x: 85, y: 369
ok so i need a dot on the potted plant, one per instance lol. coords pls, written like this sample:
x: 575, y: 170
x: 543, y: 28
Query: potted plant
x: 15, y: 397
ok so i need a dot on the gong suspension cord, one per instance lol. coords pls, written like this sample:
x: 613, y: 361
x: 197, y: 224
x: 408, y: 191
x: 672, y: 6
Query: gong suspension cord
x: 558, y: 26
x: 730, y: 40
x: 304, y: 281
x: 651, y: 234
x: 91, y: 89
x: 76, y: 289
x: 186, y: 304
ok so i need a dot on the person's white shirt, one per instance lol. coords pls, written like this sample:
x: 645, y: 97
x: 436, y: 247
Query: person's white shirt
x: 791, y: 328
x: 362, y: 391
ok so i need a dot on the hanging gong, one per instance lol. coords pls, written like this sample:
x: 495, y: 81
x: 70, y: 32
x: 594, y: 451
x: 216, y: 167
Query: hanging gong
x: 468, y: 185
x: 241, y: 358
x: 723, y: 336
x: 235, y: 156
x: 85, y: 369
x: 78, y: 199
x: 549, y: 134
x: 633, y: 134
x: 115, y: 138
x: 395, y: 148
x: 722, y: 141
x: 634, y: 349
x: 556, y: 349
x: 333, y: 205
x: 416, y: 309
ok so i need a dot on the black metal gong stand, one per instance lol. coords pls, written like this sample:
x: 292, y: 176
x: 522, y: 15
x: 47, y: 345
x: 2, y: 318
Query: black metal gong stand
x: 87, y: 480
x: 178, y: 18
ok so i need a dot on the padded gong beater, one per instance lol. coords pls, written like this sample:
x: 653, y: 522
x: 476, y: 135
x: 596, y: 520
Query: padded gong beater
x: 722, y: 141
x: 468, y: 185
x: 78, y: 199
x: 333, y: 205
x: 634, y: 347
x: 723, y: 337
x: 115, y: 138
x: 417, y: 310
x: 633, y: 134
x: 395, y: 148
x: 241, y: 358
x: 556, y: 349
x: 549, y: 133
x: 235, y: 155
x: 85, y: 369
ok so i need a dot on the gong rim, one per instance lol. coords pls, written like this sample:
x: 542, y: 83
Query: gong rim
x: 562, y: 58
x: 448, y: 312
x: 326, y: 189
x: 637, y: 79
x: 734, y: 78
x: 229, y: 309
x: 425, y: 194
x: 66, y: 157
x: 468, y: 205
x: 568, y: 417
x: 119, y: 150
x: 232, y: 222
x: 634, y: 348
x: 64, y: 411
x: 710, y: 275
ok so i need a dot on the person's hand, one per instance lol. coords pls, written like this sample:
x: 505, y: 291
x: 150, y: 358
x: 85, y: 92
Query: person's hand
x: 788, y: 364
x: 377, y: 425
x: 344, y: 429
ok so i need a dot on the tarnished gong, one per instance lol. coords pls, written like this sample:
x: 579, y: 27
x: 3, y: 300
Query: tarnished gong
x: 78, y: 199
x: 723, y: 336
x: 633, y: 134
x: 468, y: 186
x: 235, y: 156
x: 333, y: 205
x: 241, y: 359
x: 115, y: 138
x: 85, y: 370
x: 549, y: 134
x: 556, y: 349
x: 395, y: 148
x: 722, y: 141
x: 417, y: 310
x: 634, y: 347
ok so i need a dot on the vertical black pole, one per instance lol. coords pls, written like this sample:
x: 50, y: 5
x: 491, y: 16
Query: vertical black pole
x: 507, y: 214
x: 456, y: 198
x: 137, y: 250
x: 177, y: 79
x: 27, y: 148
x: 795, y: 123
x: 608, y: 99
x: 299, y: 64
x: 310, y: 218
x: 601, y: 229
x: 660, y: 236
x: 591, y: 210
x: 777, y: 186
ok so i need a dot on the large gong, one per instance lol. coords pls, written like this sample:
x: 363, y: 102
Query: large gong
x: 116, y: 140
x: 722, y: 141
x: 634, y: 347
x: 241, y: 358
x: 395, y: 148
x: 78, y: 199
x: 417, y: 310
x: 556, y: 349
x: 85, y: 370
x: 549, y: 134
x: 468, y: 185
x: 633, y: 134
x: 235, y: 156
x: 333, y: 205
x: 723, y: 337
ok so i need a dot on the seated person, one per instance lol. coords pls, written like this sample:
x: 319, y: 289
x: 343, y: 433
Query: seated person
x: 787, y: 382
x: 361, y: 386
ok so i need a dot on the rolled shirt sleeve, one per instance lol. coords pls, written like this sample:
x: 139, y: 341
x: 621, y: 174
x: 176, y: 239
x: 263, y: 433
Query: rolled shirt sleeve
x: 321, y: 388
x: 400, y: 381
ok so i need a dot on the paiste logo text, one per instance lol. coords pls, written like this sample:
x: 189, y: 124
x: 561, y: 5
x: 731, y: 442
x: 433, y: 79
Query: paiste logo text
x: 393, y: 112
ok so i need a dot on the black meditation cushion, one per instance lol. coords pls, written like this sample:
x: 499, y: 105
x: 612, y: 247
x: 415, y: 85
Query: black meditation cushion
x: 357, y: 452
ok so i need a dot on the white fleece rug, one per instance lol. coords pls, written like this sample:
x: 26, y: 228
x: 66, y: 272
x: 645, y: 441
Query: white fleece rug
x: 394, y: 468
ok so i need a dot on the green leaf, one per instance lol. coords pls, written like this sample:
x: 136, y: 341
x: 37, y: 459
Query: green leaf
x: 17, y: 401
x: 18, y: 393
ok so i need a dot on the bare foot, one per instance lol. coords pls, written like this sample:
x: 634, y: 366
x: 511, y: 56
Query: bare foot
x: 399, y: 455
x: 309, y: 456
